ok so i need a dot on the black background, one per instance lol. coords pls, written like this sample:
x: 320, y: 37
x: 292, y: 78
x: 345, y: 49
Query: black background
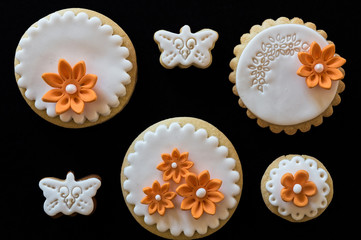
x: 32, y: 148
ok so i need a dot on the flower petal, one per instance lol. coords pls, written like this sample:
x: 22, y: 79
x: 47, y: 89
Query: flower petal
x: 88, y: 81
x: 184, y: 190
x: 168, y: 174
x: 183, y: 157
x: 192, y: 180
x: 87, y: 95
x: 146, y: 200
x: 287, y: 194
x: 63, y: 104
x: 315, y: 50
x: 301, y: 177
x: 167, y: 203
x: 161, y: 208
x: 169, y: 195
x: 79, y: 70
x: 309, y: 188
x: 334, y: 73
x: 188, y: 203
x: 209, y: 207
x: 305, y: 58
x: 175, y: 154
x: 328, y: 52
x: 176, y: 175
x: 148, y: 191
x: 166, y: 157
x: 300, y: 200
x: 305, y: 71
x: 325, y: 81
x: 65, y: 70
x: 156, y: 187
x: 215, y: 196
x: 336, y: 62
x: 53, y: 80
x: 186, y: 164
x: 312, y: 80
x: 76, y: 104
x: 164, y: 188
x: 163, y: 166
x: 152, y: 207
x: 203, y: 178
x: 53, y: 95
x: 214, y: 184
x: 287, y: 180
x: 197, y: 209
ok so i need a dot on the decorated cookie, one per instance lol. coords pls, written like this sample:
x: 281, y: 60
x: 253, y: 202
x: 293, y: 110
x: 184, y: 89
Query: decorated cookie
x: 76, y: 68
x: 287, y: 75
x: 186, y: 48
x: 182, y: 178
x: 69, y: 196
x: 297, y: 188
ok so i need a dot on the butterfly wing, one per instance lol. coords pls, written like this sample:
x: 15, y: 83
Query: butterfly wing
x: 202, y: 53
x: 166, y: 44
x: 84, y: 203
x: 50, y: 187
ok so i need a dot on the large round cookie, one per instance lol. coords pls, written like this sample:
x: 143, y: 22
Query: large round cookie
x: 279, y: 86
x: 56, y: 46
x: 204, y: 153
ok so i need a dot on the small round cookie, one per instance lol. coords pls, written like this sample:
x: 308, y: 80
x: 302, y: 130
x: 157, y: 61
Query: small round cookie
x: 181, y: 178
x: 287, y: 75
x: 76, y: 68
x: 297, y: 188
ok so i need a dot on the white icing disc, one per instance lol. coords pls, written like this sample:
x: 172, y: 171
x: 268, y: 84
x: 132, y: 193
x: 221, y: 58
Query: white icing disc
x: 267, y: 80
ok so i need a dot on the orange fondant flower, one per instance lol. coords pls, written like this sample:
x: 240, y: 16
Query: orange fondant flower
x: 158, y: 198
x: 297, y: 188
x: 174, y: 166
x: 72, y: 87
x: 200, y: 194
x: 320, y: 66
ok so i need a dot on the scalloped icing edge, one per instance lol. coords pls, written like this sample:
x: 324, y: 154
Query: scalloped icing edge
x: 129, y: 88
x: 288, y: 129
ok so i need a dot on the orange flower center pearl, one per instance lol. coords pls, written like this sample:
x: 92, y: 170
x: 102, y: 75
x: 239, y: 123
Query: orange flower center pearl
x: 297, y: 188
x: 71, y: 88
x: 319, y: 68
x: 201, y: 193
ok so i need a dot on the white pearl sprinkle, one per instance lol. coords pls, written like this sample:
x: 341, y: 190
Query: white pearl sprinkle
x: 174, y: 165
x: 71, y: 88
x: 297, y: 188
x: 318, y: 67
x: 158, y: 197
x: 201, y: 192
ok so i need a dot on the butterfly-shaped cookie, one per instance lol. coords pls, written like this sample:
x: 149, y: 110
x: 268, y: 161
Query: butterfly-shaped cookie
x: 69, y: 196
x: 186, y: 48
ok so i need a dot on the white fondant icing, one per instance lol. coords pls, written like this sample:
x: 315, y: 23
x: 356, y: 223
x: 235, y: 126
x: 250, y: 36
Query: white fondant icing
x: 204, y: 152
x: 69, y: 196
x: 316, y: 175
x: 186, y: 48
x: 74, y: 38
x: 267, y: 80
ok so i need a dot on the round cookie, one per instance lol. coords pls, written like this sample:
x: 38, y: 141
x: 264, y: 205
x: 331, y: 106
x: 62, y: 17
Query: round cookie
x: 76, y: 68
x: 287, y: 75
x: 297, y: 188
x: 181, y: 178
